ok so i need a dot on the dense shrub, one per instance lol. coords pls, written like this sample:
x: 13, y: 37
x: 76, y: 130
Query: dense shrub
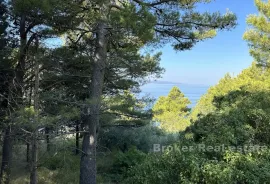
x: 123, y: 162
x: 241, y: 118
x: 142, y: 138
x: 193, y: 167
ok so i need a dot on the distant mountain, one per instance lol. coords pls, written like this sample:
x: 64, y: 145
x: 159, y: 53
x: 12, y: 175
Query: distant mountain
x: 164, y: 82
x: 178, y: 83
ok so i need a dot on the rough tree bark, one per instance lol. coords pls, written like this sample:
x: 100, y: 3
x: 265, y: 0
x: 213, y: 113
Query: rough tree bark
x: 27, y: 152
x: 33, y: 174
x: 77, y: 137
x: 47, y: 134
x: 6, y: 157
x: 15, y: 98
x: 88, y: 159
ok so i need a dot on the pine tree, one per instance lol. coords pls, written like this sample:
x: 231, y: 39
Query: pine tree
x: 119, y: 108
x: 3, y: 26
x: 132, y: 25
x: 172, y: 111
x: 112, y: 33
x: 4, y: 62
x: 28, y: 20
x: 258, y: 35
x: 5, y: 76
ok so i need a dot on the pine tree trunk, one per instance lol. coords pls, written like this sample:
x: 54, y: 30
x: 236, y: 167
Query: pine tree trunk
x: 88, y: 169
x: 47, y: 132
x: 27, y: 152
x: 6, y: 157
x: 77, y: 138
x: 27, y: 143
x: 33, y: 174
x: 15, y: 99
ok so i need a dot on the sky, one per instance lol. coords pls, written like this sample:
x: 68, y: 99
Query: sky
x: 210, y: 60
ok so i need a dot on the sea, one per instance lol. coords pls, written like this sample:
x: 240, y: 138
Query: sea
x: 192, y: 91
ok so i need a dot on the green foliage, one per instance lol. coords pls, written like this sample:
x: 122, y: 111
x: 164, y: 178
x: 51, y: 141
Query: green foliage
x: 6, y: 68
x: 235, y: 117
x: 177, y: 167
x: 140, y: 21
x: 67, y: 166
x: 142, y: 138
x: 243, y: 116
x: 3, y: 27
x: 258, y: 35
x: 253, y: 79
x: 59, y: 166
x: 188, y: 26
x: 237, y: 123
x: 125, y: 161
x: 57, y: 16
x: 66, y: 72
x: 171, y: 111
x: 62, y: 168
x: 172, y: 167
x: 125, y: 109
x: 137, y: 23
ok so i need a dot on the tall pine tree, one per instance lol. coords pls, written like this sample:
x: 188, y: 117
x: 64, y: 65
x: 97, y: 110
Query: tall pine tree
x: 171, y: 111
x: 5, y: 76
x: 133, y: 24
x: 29, y: 20
x: 258, y: 36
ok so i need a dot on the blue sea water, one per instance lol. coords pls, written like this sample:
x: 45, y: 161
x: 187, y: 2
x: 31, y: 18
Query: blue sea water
x: 192, y: 91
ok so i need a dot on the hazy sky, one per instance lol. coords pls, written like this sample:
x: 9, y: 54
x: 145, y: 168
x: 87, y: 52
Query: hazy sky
x: 210, y: 60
